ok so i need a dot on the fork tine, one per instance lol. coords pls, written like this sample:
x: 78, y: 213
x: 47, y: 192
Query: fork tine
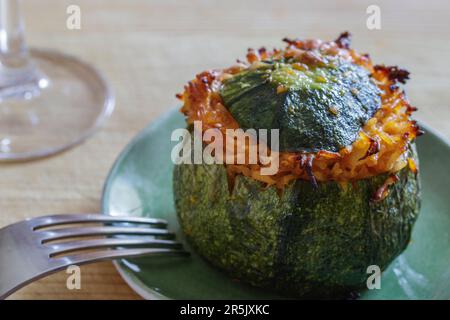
x: 121, y: 253
x: 67, y: 247
x: 60, y: 219
x: 65, y: 233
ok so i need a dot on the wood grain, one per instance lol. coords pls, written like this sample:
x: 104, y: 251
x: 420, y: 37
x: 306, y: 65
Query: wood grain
x: 149, y: 49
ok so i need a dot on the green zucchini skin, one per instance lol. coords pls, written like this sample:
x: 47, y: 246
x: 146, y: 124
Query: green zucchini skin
x: 302, y: 113
x: 314, y: 243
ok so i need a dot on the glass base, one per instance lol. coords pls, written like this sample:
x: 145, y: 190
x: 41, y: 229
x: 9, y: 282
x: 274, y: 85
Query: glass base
x: 63, y: 107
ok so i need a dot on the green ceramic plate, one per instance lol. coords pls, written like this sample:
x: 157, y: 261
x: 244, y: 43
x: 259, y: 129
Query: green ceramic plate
x: 140, y: 184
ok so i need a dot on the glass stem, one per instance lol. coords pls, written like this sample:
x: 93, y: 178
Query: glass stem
x: 12, y: 43
x: 16, y: 69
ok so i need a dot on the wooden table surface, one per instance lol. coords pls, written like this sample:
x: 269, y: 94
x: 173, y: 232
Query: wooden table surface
x: 148, y: 50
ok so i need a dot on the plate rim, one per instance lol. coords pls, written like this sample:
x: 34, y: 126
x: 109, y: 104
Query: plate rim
x: 137, y: 285
x: 133, y: 282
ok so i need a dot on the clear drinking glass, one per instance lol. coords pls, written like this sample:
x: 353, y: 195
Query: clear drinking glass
x: 48, y: 101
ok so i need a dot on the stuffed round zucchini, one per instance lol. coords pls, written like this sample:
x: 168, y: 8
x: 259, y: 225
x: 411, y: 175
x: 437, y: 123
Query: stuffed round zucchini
x: 346, y: 192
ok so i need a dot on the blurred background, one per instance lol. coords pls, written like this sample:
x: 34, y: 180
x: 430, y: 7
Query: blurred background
x: 148, y: 50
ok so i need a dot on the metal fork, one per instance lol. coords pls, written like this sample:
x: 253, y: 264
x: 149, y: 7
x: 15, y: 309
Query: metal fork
x: 34, y: 248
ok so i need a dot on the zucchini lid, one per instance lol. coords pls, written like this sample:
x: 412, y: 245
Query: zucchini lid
x: 320, y: 106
